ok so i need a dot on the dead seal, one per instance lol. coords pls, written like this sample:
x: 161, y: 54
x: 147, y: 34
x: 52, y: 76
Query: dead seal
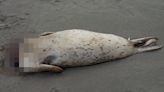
x: 52, y: 51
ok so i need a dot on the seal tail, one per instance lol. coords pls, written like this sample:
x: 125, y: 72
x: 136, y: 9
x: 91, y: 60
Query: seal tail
x: 146, y: 44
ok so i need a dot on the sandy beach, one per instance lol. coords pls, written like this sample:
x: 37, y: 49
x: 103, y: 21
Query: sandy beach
x: 127, y: 18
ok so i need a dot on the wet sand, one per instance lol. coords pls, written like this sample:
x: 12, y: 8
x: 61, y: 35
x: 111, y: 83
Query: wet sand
x: 128, y: 18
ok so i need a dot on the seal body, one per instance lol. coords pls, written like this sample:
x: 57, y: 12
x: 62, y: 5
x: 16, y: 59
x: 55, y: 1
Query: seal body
x: 78, y: 47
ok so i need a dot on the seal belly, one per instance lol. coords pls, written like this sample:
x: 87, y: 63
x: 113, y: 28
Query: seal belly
x: 79, y: 48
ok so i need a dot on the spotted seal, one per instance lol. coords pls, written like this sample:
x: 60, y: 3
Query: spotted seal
x: 52, y: 51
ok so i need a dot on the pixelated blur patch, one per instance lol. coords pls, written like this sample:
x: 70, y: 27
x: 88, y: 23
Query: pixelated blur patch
x: 14, y: 54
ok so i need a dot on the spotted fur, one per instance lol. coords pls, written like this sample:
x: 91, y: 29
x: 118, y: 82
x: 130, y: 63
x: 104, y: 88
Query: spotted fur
x: 76, y: 47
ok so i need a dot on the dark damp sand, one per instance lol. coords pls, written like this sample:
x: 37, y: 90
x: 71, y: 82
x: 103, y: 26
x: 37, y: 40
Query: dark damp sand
x: 127, y: 18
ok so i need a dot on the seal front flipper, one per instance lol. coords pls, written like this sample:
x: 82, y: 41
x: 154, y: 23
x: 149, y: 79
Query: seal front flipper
x: 50, y: 68
x: 46, y: 33
x: 41, y: 68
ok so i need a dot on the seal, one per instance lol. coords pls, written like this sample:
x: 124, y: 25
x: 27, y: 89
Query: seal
x: 53, y: 51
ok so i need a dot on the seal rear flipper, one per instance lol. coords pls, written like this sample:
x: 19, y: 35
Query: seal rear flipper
x: 146, y: 44
x: 145, y: 41
x: 147, y: 49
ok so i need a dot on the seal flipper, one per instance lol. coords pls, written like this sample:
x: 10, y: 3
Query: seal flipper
x: 46, y: 65
x: 50, y: 68
x: 146, y: 44
x: 145, y: 41
x: 147, y: 49
x: 46, y: 33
